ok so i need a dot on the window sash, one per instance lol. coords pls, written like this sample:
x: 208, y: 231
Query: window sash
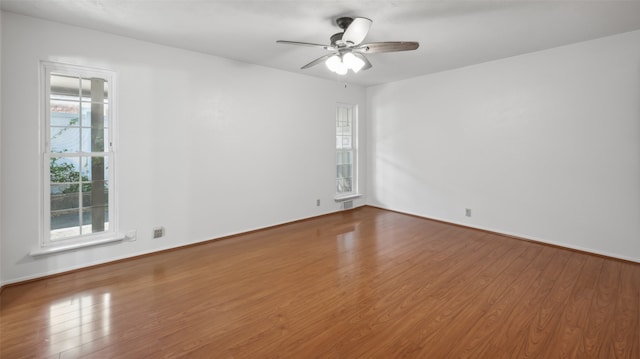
x: 346, y: 150
x: 88, y: 192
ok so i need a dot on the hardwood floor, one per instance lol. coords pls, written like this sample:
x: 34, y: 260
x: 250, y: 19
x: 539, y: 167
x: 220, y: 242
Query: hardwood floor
x: 367, y: 283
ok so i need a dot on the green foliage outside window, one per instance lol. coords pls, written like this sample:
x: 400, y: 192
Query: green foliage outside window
x: 64, y: 172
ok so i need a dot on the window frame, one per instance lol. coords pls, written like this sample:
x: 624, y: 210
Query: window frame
x: 111, y: 233
x: 353, y: 109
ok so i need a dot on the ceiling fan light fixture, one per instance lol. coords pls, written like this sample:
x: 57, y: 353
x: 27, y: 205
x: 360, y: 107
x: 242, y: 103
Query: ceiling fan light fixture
x: 333, y: 63
x: 336, y: 64
x: 351, y: 61
x: 342, y: 69
x: 341, y: 64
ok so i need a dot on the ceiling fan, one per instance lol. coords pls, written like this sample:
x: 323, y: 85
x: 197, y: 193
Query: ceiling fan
x: 346, y: 51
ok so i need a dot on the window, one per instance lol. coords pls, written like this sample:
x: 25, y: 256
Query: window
x: 346, y: 169
x: 78, y: 163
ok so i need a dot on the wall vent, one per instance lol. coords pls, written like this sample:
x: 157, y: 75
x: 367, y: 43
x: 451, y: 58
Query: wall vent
x: 347, y: 204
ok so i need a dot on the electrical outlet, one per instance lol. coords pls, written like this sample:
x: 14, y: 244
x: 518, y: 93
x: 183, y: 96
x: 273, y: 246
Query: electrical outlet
x: 467, y: 212
x: 131, y: 235
x: 318, y: 202
x: 158, y: 232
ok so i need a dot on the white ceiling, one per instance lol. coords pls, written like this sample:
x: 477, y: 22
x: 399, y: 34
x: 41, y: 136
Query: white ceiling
x: 452, y: 34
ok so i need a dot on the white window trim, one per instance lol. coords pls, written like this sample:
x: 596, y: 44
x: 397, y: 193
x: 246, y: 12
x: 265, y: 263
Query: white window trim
x: 46, y: 246
x: 111, y: 238
x: 339, y: 197
x: 347, y: 197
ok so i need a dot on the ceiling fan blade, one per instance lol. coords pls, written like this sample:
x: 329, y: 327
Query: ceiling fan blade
x: 317, y: 61
x: 357, y: 30
x: 390, y: 46
x: 308, y: 44
x: 367, y: 64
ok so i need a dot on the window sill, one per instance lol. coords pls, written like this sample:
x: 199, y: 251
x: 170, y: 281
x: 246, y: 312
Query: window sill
x: 41, y: 251
x: 346, y: 197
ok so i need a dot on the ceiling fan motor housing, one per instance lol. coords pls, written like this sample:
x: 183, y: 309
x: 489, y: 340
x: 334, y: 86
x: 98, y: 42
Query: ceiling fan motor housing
x: 336, y: 39
x: 344, y: 22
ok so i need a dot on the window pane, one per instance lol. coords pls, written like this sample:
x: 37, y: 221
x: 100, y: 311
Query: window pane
x: 86, y: 114
x: 94, y: 140
x: 64, y: 197
x: 106, y: 92
x: 64, y: 170
x: 347, y: 185
x: 64, y: 113
x: 62, y: 188
x: 65, y: 224
x: 89, y: 109
x: 64, y: 139
x: 346, y: 171
x: 86, y: 89
x: 106, y: 116
x: 343, y: 171
x: 96, y: 87
x: 86, y: 139
x: 95, y: 168
x: 344, y: 157
x: 344, y: 128
x: 96, y: 135
x: 95, y: 220
x: 65, y: 87
x: 343, y: 141
x: 95, y: 193
x: 343, y: 185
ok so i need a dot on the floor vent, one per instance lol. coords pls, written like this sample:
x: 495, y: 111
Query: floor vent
x: 347, y: 204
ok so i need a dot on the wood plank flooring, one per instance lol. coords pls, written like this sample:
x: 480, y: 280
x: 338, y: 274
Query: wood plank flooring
x: 366, y: 283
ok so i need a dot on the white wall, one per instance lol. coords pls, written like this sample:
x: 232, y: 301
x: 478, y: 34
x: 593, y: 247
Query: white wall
x: 544, y: 146
x: 208, y: 146
x: 1, y: 151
